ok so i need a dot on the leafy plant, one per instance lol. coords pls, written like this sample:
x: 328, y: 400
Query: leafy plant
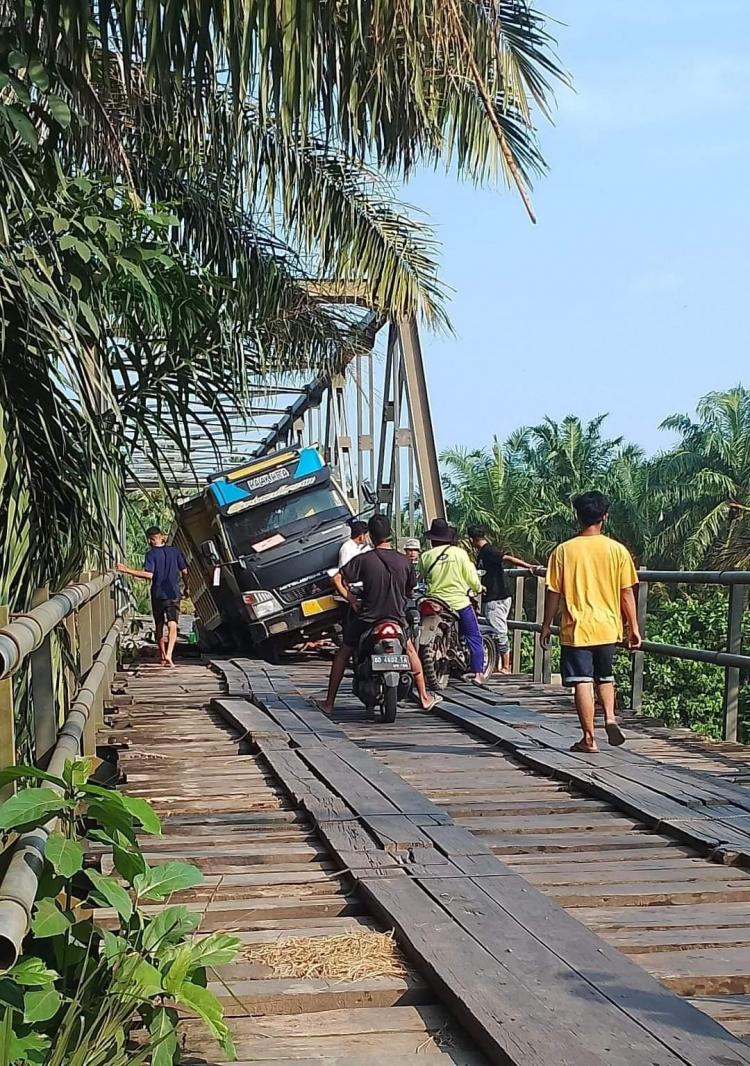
x: 80, y: 988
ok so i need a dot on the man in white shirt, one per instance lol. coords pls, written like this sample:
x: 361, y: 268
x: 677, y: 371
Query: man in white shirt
x: 356, y: 544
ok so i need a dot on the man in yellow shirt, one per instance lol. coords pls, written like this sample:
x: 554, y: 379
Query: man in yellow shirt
x: 449, y: 575
x: 594, y: 576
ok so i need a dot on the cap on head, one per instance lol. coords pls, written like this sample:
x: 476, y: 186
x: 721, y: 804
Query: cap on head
x: 441, y: 533
x: 412, y: 545
x: 379, y: 529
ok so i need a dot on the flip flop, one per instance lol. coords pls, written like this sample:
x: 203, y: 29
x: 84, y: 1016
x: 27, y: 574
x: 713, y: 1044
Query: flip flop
x: 580, y: 746
x: 433, y: 703
x: 614, y: 734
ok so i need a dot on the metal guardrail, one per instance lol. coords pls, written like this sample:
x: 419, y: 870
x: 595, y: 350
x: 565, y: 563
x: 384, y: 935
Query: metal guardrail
x: 730, y: 659
x: 62, y: 728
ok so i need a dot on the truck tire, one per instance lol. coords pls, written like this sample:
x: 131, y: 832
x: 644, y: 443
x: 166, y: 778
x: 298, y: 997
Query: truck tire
x: 436, y: 676
x: 390, y: 704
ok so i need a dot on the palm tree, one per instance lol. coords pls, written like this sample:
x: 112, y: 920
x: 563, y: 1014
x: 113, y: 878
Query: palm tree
x: 705, y: 484
x: 234, y: 163
x: 522, y: 490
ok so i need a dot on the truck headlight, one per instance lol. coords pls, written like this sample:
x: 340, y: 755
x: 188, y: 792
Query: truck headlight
x: 260, y: 603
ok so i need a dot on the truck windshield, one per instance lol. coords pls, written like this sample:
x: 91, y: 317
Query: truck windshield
x: 302, y: 509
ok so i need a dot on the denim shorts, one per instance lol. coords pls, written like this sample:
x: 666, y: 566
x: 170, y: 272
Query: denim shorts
x: 583, y: 665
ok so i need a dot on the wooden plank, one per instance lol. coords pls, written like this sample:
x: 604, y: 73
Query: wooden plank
x: 694, y: 1036
x: 251, y: 720
x: 511, y: 1024
x: 404, y: 796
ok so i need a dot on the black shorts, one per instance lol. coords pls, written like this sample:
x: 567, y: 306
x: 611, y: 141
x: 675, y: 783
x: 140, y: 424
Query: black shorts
x: 582, y: 665
x: 165, y: 610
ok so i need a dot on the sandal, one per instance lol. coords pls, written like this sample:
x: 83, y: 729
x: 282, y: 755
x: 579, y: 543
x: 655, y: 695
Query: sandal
x: 581, y: 747
x: 433, y: 703
x: 614, y: 734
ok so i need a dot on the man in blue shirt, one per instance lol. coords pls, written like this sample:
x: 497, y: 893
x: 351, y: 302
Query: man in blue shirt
x: 163, y: 565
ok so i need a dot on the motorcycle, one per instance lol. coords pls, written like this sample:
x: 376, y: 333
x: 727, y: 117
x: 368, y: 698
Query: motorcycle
x: 382, y: 671
x: 443, y: 652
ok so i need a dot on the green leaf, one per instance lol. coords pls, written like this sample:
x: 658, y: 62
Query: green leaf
x: 113, y: 947
x: 142, y: 810
x: 60, y: 225
x: 23, y: 773
x: 113, y: 230
x: 59, y: 110
x: 158, y: 882
x: 41, y: 1004
x: 68, y: 241
x: 77, y: 771
x: 170, y: 926
x: 24, y: 126
x: 179, y: 968
x: 205, y: 1004
x: 109, y: 811
x: 31, y: 807
x: 113, y: 892
x: 32, y: 973
x: 163, y: 1036
x: 217, y: 949
x: 83, y: 249
x: 92, y: 223
x: 49, y: 919
x: 138, y: 978
x: 66, y: 856
x: 129, y: 862
x: 31, y: 1049
x: 39, y: 75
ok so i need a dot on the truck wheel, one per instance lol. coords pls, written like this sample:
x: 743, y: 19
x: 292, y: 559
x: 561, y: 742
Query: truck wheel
x: 436, y: 672
x: 390, y: 704
x: 270, y: 651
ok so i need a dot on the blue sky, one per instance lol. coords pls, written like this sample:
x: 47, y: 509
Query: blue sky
x: 631, y: 293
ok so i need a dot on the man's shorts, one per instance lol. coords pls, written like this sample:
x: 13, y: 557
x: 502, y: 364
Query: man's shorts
x: 496, y: 612
x: 584, y: 665
x: 165, y: 610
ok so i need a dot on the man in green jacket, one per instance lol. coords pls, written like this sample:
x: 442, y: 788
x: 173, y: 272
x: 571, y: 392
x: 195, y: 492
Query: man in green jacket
x: 449, y: 575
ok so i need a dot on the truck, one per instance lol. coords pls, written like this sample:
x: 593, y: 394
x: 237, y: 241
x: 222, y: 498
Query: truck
x: 261, y: 541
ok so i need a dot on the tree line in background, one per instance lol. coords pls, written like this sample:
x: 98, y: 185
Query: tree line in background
x: 686, y: 508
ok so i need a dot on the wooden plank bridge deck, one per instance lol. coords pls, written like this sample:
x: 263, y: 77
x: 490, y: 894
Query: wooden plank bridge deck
x: 554, y: 908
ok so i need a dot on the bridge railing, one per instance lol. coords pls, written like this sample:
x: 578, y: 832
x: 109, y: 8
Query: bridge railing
x: 58, y: 660
x: 47, y: 655
x: 730, y: 658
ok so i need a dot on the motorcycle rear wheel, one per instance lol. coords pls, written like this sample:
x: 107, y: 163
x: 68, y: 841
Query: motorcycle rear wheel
x: 389, y: 707
x: 435, y: 667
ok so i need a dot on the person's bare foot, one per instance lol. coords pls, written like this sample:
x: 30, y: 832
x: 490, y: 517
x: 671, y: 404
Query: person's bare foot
x: 324, y: 707
x: 167, y: 662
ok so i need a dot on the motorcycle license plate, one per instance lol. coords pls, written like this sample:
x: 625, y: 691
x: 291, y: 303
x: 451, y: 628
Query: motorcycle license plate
x: 385, y: 663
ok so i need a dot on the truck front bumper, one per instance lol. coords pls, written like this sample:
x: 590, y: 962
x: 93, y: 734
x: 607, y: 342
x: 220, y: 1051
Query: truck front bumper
x: 293, y: 622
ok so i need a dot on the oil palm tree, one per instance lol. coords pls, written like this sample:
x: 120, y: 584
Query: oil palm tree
x: 705, y: 484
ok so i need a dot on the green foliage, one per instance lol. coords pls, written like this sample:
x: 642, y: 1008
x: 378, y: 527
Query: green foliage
x: 684, y: 509
x: 78, y: 989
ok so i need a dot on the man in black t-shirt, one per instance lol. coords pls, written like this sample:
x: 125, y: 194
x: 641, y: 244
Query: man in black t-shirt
x: 387, y: 579
x: 498, y: 597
